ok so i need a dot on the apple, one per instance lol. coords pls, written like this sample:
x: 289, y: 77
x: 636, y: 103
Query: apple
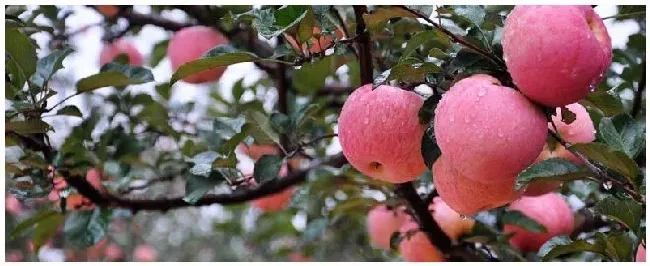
x: 144, y: 253
x: 488, y: 132
x: 640, y: 254
x: 298, y: 257
x: 190, y: 44
x: 113, y: 252
x: 415, y: 246
x: 581, y: 130
x: 317, y: 44
x: 94, y: 177
x: 466, y: 196
x: 452, y: 223
x: 557, y: 61
x: 117, y: 47
x: 381, y: 222
x: 108, y: 11
x: 380, y: 133
x: 549, y: 210
x: 12, y: 205
x: 274, y: 202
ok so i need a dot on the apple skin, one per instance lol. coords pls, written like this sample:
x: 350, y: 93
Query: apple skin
x: 380, y: 133
x: 108, y: 10
x: 144, y: 253
x: 558, y: 61
x: 117, y: 47
x: 318, y: 44
x: 581, y: 130
x: 449, y: 220
x: 488, y: 132
x: 382, y: 222
x: 549, y: 210
x: 191, y: 43
x: 640, y: 254
x: 417, y: 247
x: 466, y: 196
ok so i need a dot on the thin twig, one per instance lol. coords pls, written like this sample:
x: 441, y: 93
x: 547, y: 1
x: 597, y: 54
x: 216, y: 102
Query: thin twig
x: 638, y: 96
x: 363, y: 45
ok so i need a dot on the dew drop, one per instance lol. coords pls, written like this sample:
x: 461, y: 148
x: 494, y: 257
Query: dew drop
x: 467, y: 120
x: 572, y: 132
x: 366, y: 121
x: 451, y: 119
x: 463, y: 217
x: 500, y: 134
x: 608, y: 185
x: 481, y: 93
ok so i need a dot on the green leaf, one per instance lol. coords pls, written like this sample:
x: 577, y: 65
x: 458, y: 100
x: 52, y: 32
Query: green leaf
x: 553, y: 169
x: 421, y: 38
x: 29, y: 223
x: 619, y: 246
x: 203, y: 163
x: 164, y: 90
x: 86, y: 228
x: 409, y: 73
x: 306, y: 27
x: 158, y: 53
x: 22, y: 51
x: 626, y: 211
x: 305, y: 113
x: 473, y: 13
x: 315, y: 229
x: 623, y: 133
x: 271, y: 23
x: 609, y: 104
x: 28, y: 127
x: 425, y: 114
x: 429, y: 147
x: 263, y: 123
x: 395, y: 240
x: 562, y: 245
x: 311, y: 76
x: 115, y: 75
x: 375, y: 20
x: 610, y: 158
x: 70, y: 110
x: 520, y: 219
x: 46, y: 229
x: 48, y: 65
x: 197, y: 186
x: 281, y: 123
x: 267, y: 168
x: 230, y: 145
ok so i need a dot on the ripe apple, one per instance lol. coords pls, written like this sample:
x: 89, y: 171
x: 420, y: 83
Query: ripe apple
x: 466, y: 196
x: 117, y: 47
x: 298, y: 257
x: 108, y: 11
x: 382, y: 222
x: 416, y: 247
x: 274, y: 202
x: 488, y: 132
x: 317, y: 44
x: 12, y: 205
x: 640, y: 254
x: 113, y: 252
x: 550, y: 210
x: 581, y: 130
x: 190, y: 44
x: 94, y: 177
x: 144, y: 252
x: 556, y: 61
x: 380, y: 133
x: 449, y: 220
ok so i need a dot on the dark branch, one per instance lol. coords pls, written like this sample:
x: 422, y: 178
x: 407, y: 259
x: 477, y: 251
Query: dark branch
x: 638, y: 96
x: 363, y: 46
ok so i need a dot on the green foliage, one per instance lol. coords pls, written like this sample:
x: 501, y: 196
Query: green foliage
x: 553, y: 169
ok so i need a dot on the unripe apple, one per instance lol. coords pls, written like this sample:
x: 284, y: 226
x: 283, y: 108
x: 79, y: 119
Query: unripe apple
x: 121, y: 46
x: 108, y: 11
x: 488, y: 132
x: 317, y: 44
x: 449, y: 220
x: 416, y: 247
x: 640, y: 254
x: 380, y: 133
x: 466, y: 196
x: 274, y: 202
x: 581, y: 130
x: 556, y: 61
x: 190, y: 44
x: 549, y: 210
x: 145, y: 253
x: 382, y: 222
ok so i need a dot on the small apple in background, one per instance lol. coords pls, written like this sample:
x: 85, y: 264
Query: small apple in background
x: 563, y: 69
x: 317, y: 44
x: 488, y: 132
x: 113, y: 252
x: 12, y: 205
x: 117, y: 47
x: 549, y: 210
x: 274, y: 202
x: 382, y: 222
x: 466, y: 196
x: 452, y: 223
x: 256, y: 151
x: 94, y: 177
x: 144, y: 253
x: 640, y: 254
x: 14, y: 255
x: 416, y: 247
x: 380, y: 133
x: 298, y: 257
x: 191, y: 43
x: 108, y: 11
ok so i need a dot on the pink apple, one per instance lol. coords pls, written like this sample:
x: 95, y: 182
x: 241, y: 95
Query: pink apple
x: 121, y: 46
x: 550, y: 210
x: 581, y: 130
x: 556, y: 61
x: 94, y: 177
x: 144, y: 253
x: 108, y: 11
x: 382, y: 222
x: 488, y: 132
x: 380, y: 133
x: 640, y: 254
x: 12, y: 205
x: 274, y: 202
x: 416, y: 247
x: 190, y: 44
x: 113, y: 252
x: 449, y: 220
x: 298, y: 257
x: 466, y: 196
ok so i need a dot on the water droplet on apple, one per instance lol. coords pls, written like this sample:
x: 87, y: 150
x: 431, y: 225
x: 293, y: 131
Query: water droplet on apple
x: 466, y: 119
x: 481, y: 93
x: 451, y: 119
x: 500, y: 134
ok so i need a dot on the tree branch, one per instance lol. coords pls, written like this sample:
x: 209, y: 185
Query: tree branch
x: 638, y: 96
x: 363, y: 46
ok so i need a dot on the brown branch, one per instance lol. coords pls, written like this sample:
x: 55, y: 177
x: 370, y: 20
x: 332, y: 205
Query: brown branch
x: 638, y: 96
x: 363, y: 45
x: 147, y: 184
x: 335, y: 90
x: 457, y: 39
